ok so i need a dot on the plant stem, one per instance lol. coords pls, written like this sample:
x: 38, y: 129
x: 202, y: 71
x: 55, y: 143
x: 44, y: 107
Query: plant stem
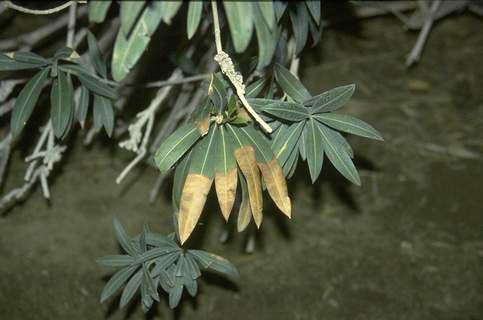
x: 13, y: 6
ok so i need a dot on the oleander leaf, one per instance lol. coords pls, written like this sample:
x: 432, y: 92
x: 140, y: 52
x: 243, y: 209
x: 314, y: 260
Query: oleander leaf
x: 179, y: 178
x: 314, y: 9
x: 30, y: 57
x: 254, y: 89
x: 213, y: 262
x: 279, y: 8
x: 300, y: 25
x: 266, y: 38
x: 175, y: 146
x: 95, y: 55
x: 195, y: 9
x: 61, y: 103
x: 218, y: 92
x: 98, y: 10
x: 128, y: 50
x: 89, y: 81
x: 245, y: 212
x: 291, y: 164
x: 123, y: 239
x: 239, y: 15
x: 131, y: 287
x: 9, y: 64
x: 169, y: 10
x: 302, y: 145
x: 290, y: 111
x: 119, y: 260
x: 337, y: 154
x: 130, y: 11
x: 103, y: 114
x: 268, y: 12
x: 330, y: 100
x: 26, y: 101
x: 315, y: 152
x: 63, y: 53
x: 203, y: 159
x: 117, y: 281
x: 349, y: 124
x: 285, y: 140
x: 290, y: 84
x: 82, y: 105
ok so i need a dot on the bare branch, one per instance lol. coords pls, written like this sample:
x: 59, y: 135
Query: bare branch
x: 13, y: 6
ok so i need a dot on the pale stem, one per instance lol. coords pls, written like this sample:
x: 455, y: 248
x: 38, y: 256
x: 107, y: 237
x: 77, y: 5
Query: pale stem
x: 63, y: 6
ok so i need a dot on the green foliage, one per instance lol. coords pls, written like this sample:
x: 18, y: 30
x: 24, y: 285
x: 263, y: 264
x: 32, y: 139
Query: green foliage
x: 154, y: 262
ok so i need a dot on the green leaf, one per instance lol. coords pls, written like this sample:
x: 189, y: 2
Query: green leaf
x: 127, y: 51
x: 225, y: 159
x: 266, y: 39
x: 169, y: 10
x: 215, y: 263
x: 26, y: 101
x: 155, y: 253
x: 315, y: 152
x: 123, y: 239
x: 131, y: 287
x: 202, y: 161
x: 30, y: 57
x: 91, y: 82
x: 116, y: 281
x: 63, y: 53
x: 194, y: 17
x: 218, y: 95
x: 192, y: 267
x: 239, y: 15
x: 82, y: 105
x: 314, y: 9
x: 175, y: 296
x: 254, y: 89
x: 315, y: 32
x: 337, y: 154
x: 290, y: 111
x: 268, y: 12
x: 95, y: 55
x: 300, y: 25
x: 176, y: 146
x: 263, y: 152
x: 103, y: 114
x: 8, y: 64
x: 279, y: 8
x: 120, y: 260
x: 349, y: 124
x: 98, y: 10
x: 285, y: 140
x: 179, y: 178
x: 331, y: 100
x: 61, y: 100
x: 130, y: 10
x: 303, y: 146
x: 290, y: 84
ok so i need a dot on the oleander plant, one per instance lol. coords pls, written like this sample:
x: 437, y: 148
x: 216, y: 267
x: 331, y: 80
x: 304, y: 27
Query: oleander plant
x: 239, y: 120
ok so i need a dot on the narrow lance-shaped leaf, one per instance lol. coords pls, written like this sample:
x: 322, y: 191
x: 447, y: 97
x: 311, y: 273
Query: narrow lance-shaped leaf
x: 103, y: 114
x: 61, y: 103
x: 290, y: 84
x: 239, y: 15
x: 121, y: 260
x: 127, y: 51
x: 245, y: 212
x: 300, y: 25
x: 194, y: 17
x: 331, y: 100
x: 123, y: 238
x: 8, y: 64
x: 173, y: 148
x: 169, y: 10
x: 270, y: 169
x: 290, y: 111
x: 26, y: 101
x: 179, y: 178
x: 315, y: 152
x: 116, y: 281
x: 268, y: 12
x: 98, y: 10
x: 254, y: 89
x: 131, y: 287
x: 291, y: 164
x: 285, y: 140
x: 95, y: 55
x: 226, y: 176
x: 314, y: 9
x: 92, y: 83
x: 266, y: 38
x: 215, y: 263
x: 217, y: 92
x: 30, y: 57
x: 337, y: 154
x: 349, y: 124
x: 82, y: 105
x: 129, y: 12
x: 279, y: 8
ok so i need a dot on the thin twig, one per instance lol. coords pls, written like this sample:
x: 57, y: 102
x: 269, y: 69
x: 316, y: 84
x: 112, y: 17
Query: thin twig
x: 13, y: 6
x: 228, y: 69
x: 71, y: 25
x: 164, y: 83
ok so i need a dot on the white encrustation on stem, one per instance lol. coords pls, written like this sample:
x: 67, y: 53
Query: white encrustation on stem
x: 228, y: 69
x: 138, y: 141
x: 63, y: 6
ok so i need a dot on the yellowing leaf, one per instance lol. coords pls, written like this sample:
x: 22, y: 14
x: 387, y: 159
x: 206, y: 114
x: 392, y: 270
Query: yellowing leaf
x: 244, y: 213
x: 193, y: 198
x: 276, y: 185
x: 225, y: 186
x: 245, y: 157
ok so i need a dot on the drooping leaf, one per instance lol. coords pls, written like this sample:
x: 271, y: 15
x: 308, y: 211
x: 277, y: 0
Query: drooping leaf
x: 123, y: 238
x: 26, y: 101
x: 337, y: 154
x: 103, y: 114
x: 285, y: 140
x: 128, y: 50
x: 95, y: 55
x: 349, y: 124
x: 254, y: 89
x: 194, y: 17
x: 215, y: 263
x: 290, y: 84
x: 179, y: 178
x: 244, y: 213
x: 169, y: 10
x: 98, y: 10
x: 203, y: 159
x: 266, y: 38
x: 175, y: 146
x: 239, y: 15
x: 314, y: 9
x: 302, y: 145
x: 315, y: 152
x: 290, y: 111
x: 330, y: 100
x: 192, y: 267
x: 315, y: 32
x: 130, y: 10
x: 175, y: 295
x: 9, y: 64
x: 82, y: 105
x: 291, y: 164
x: 225, y: 172
x: 92, y: 83
x: 61, y: 103
x: 300, y: 25
x: 217, y: 92
x: 279, y: 8
x: 268, y: 12
x: 30, y: 57
x: 117, y: 281
x: 131, y: 287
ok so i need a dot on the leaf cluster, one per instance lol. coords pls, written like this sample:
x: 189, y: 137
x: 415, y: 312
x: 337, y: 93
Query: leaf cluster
x: 153, y: 262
